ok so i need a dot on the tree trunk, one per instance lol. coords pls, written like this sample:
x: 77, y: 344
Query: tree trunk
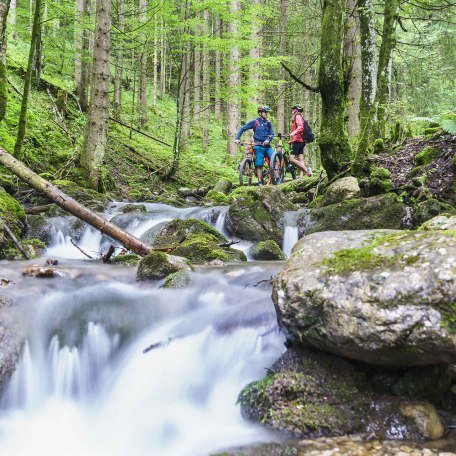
x: 217, y: 71
x: 12, y: 17
x: 254, y: 54
x: 384, y: 58
x: 4, y: 7
x: 96, y: 131
x: 334, y: 146
x: 155, y: 65
x: 184, y: 89
x: 197, y: 74
x: 282, y: 51
x: 352, y: 63
x: 119, y: 62
x: 206, y: 83
x: 79, y: 14
x: 72, y: 206
x: 234, y: 79
x: 163, y: 60
x: 83, y: 87
x: 28, y: 81
x: 142, y: 86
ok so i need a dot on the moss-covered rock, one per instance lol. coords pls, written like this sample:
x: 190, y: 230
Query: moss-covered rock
x: 427, y: 155
x: 158, y: 265
x: 217, y: 197
x: 130, y: 259
x: 379, y: 146
x: 301, y: 185
x: 381, y: 211
x: 425, y: 417
x: 440, y: 222
x: 88, y: 197
x: 13, y: 215
x: 430, y: 208
x: 385, y: 298
x: 178, y: 280
x: 380, y: 181
x: 267, y: 250
x: 257, y: 214
x: 341, y: 190
x: 39, y: 227
x: 223, y: 186
x: 133, y: 208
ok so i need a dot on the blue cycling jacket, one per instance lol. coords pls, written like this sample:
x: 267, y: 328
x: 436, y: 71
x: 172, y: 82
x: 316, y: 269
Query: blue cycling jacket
x: 264, y: 131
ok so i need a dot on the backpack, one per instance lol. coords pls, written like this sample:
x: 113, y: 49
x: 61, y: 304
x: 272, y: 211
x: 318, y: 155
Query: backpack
x: 307, y: 134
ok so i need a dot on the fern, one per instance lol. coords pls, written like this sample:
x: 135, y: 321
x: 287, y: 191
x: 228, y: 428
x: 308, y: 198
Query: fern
x: 448, y: 122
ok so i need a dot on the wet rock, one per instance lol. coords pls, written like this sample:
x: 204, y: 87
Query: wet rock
x: 217, y: 197
x: 178, y: 280
x: 382, y: 211
x: 257, y: 214
x: 4, y: 282
x: 196, y: 240
x: 39, y: 227
x: 425, y: 417
x: 311, y: 394
x: 42, y: 272
x: 149, y: 236
x: 130, y: 259
x: 13, y: 215
x: 158, y: 265
x: 430, y: 208
x: 341, y: 190
x: 440, y: 222
x: 385, y: 298
x: 128, y: 208
x: 267, y: 250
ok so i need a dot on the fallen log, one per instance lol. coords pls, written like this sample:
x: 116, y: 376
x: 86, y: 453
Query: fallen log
x: 34, y: 210
x: 60, y: 198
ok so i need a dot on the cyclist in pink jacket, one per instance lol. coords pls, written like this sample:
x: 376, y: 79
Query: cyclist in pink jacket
x: 297, y: 142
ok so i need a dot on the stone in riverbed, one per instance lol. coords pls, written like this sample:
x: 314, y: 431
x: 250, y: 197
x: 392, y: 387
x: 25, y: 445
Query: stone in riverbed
x: 440, y: 222
x: 382, y: 297
x: 267, y: 250
x: 158, y: 265
x: 426, y: 418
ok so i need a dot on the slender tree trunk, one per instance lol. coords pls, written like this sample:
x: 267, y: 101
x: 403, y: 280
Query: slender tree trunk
x: 163, y: 59
x: 385, y: 56
x: 72, y: 206
x: 184, y: 86
x: 234, y: 79
x: 4, y: 7
x: 119, y: 61
x: 352, y: 63
x: 97, y: 122
x: 206, y: 83
x: 38, y: 58
x: 28, y: 81
x: 254, y: 54
x: 334, y: 146
x: 79, y: 16
x: 12, y: 17
x: 282, y: 51
x: 217, y: 71
x: 197, y: 75
x: 83, y: 87
x: 155, y: 65
x: 142, y: 86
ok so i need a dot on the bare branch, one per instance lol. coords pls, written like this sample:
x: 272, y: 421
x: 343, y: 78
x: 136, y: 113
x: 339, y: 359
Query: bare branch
x: 299, y: 81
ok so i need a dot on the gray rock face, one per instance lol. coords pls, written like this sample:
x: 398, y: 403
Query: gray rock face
x: 257, y: 214
x: 440, y: 222
x: 341, y: 190
x: 376, y: 212
x: 382, y: 297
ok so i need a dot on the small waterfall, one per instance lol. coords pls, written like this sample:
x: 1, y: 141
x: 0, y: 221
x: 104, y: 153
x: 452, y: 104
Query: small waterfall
x: 290, y: 235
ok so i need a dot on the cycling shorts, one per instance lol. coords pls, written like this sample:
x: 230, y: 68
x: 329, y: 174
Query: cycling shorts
x: 297, y: 148
x: 261, y: 152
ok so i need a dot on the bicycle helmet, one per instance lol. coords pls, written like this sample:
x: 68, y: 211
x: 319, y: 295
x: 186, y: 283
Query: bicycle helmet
x: 263, y: 109
x: 298, y: 107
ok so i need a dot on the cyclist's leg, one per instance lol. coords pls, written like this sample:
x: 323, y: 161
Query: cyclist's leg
x: 259, y: 161
x: 296, y: 156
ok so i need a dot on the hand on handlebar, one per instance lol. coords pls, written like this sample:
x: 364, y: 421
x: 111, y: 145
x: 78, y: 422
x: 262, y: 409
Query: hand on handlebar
x: 237, y: 141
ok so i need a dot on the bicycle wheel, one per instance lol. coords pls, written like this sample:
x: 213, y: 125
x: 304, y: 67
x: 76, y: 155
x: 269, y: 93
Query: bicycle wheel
x: 245, y: 172
x: 277, y: 168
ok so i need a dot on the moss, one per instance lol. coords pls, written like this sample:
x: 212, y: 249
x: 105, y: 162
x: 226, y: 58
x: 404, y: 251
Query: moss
x: 3, y: 90
x: 267, y: 250
x: 427, y: 155
x: 133, y: 208
x: 12, y: 213
x: 380, y: 173
x: 179, y: 279
x: 217, y: 197
x: 380, y: 180
x: 157, y: 265
x: 432, y: 131
x: 379, y: 146
x: 130, y: 259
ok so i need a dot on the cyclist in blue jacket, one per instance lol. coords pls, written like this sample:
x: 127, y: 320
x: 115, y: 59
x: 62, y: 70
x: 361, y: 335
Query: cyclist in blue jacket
x: 263, y: 132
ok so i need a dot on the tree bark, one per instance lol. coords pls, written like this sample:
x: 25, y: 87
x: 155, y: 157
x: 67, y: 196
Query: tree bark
x: 234, y: 79
x: 352, y: 63
x: 83, y: 87
x: 183, y: 117
x: 333, y: 141
x: 217, y: 71
x: 254, y: 53
x: 163, y: 60
x: 96, y: 130
x: 79, y: 15
x: 119, y: 62
x: 72, y: 206
x: 384, y: 58
x: 142, y: 85
x: 206, y: 83
x: 197, y: 74
x: 282, y: 51
x: 28, y: 81
x: 155, y: 65
x: 4, y: 7
x: 12, y: 17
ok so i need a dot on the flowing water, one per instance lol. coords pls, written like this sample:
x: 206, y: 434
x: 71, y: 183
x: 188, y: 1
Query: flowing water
x: 112, y: 367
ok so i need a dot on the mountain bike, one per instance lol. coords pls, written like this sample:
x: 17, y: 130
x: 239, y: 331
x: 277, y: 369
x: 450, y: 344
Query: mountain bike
x: 247, y: 166
x: 280, y: 161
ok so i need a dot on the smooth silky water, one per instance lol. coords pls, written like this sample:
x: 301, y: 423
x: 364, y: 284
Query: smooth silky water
x: 84, y: 385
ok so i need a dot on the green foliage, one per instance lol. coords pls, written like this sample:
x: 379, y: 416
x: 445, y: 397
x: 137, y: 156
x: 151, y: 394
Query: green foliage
x: 427, y: 155
x: 448, y: 122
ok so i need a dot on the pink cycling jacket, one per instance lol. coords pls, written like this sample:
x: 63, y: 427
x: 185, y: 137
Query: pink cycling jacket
x: 297, y: 128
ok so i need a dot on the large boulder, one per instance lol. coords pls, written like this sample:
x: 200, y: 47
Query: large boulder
x: 382, y: 211
x: 430, y: 208
x: 267, y: 250
x: 312, y: 394
x: 158, y: 265
x: 382, y: 297
x: 341, y: 190
x: 257, y: 214
x: 196, y: 240
x: 440, y: 222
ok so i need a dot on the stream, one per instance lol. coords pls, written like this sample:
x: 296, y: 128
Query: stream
x: 84, y: 384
